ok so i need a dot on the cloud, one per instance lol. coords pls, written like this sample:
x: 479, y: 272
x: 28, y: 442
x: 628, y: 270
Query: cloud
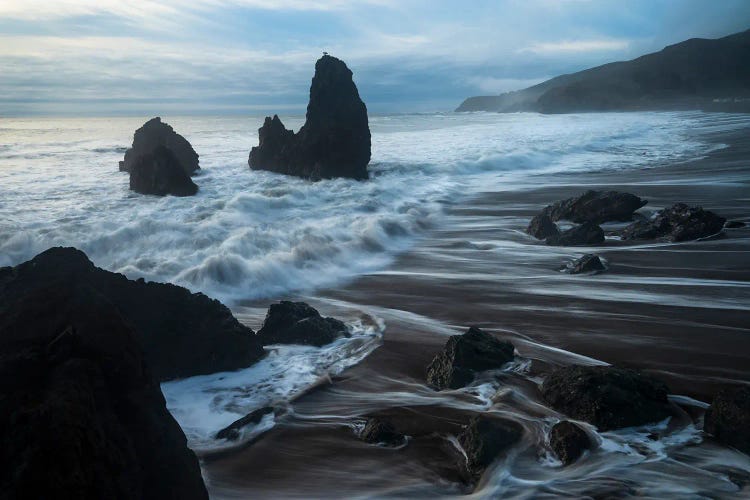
x: 577, y: 46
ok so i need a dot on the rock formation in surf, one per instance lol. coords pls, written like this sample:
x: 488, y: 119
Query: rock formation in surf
x: 607, y: 397
x: 596, y: 206
x: 728, y: 418
x: 232, y: 431
x: 298, y: 323
x: 156, y: 133
x: 335, y: 139
x: 380, y: 431
x: 160, y: 173
x: 542, y: 227
x: 182, y: 333
x: 81, y: 414
x: 485, y: 439
x: 588, y: 233
x: 586, y: 264
x: 464, y: 355
x: 569, y: 441
x: 676, y: 223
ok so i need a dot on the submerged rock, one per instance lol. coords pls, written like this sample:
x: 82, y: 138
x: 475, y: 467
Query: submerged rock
x: 335, y: 139
x: 81, y: 415
x: 589, y: 263
x: 676, y: 223
x: 298, y: 323
x: 155, y: 133
x: 596, y: 206
x: 728, y: 418
x: 160, y: 173
x: 607, y: 397
x: 232, y: 431
x: 569, y: 441
x: 541, y: 227
x: 464, y: 355
x: 485, y: 438
x: 586, y: 234
x: 182, y: 333
x: 380, y: 431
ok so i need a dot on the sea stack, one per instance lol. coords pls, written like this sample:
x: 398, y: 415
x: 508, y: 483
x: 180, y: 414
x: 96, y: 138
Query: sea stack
x: 156, y: 133
x: 335, y: 139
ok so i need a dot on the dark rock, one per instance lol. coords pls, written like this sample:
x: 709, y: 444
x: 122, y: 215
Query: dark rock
x: 568, y: 441
x: 155, y: 133
x: 586, y: 234
x: 676, y: 223
x: 379, y: 431
x: 728, y: 418
x: 298, y: 323
x: 160, y: 173
x: 335, y: 139
x: 182, y: 333
x: 81, y: 415
x: 464, y: 355
x: 541, y: 227
x: 232, y: 431
x: 607, y: 397
x: 596, y: 206
x: 734, y: 224
x: 589, y: 263
x: 485, y: 438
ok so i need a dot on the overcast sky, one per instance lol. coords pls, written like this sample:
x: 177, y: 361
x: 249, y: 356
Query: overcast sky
x: 110, y: 57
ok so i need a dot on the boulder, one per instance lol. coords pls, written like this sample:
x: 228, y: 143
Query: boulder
x: 541, y: 227
x: 81, y: 414
x: 728, y: 418
x: 596, y: 206
x: 485, y: 438
x: 160, y: 173
x: 676, y: 223
x: 298, y: 323
x: 589, y: 263
x: 607, y: 397
x: 568, y: 441
x: 155, y: 133
x: 464, y: 355
x: 380, y: 431
x: 335, y: 139
x: 734, y: 224
x: 585, y: 234
x: 232, y: 431
x: 182, y: 333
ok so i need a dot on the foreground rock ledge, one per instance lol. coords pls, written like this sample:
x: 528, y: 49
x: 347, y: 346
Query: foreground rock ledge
x: 182, y: 333
x: 335, y: 139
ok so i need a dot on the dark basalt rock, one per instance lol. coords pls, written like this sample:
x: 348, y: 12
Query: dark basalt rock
x: 379, y: 431
x: 232, y: 431
x: 155, y: 133
x: 734, y: 224
x: 676, y: 223
x: 298, y: 323
x: 728, y: 418
x: 607, y: 397
x: 160, y: 173
x: 541, y: 227
x: 182, y: 333
x: 586, y: 234
x: 335, y: 139
x: 81, y: 415
x: 485, y: 438
x: 589, y: 263
x: 568, y: 441
x: 596, y: 206
x: 464, y: 355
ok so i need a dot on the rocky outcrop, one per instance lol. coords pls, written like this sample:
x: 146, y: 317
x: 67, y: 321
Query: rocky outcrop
x: 182, y: 333
x: 734, y: 224
x: 298, y: 323
x: 568, y: 441
x: 676, y: 223
x: 596, y: 206
x: 587, y: 264
x: 335, y: 139
x: 728, y: 418
x: 585, y: 234
x: 232, y: 431
x: 160, y: 173
x: 81, y: 415
x: 380, y: 431
x: 485, y: 439
x: 542, y: 227
x: 155, y: 133
x: 464, y: 355
x: 607, y: 397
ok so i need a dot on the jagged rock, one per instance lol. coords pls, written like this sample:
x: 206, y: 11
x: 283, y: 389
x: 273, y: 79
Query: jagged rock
x: 596, y: 206
x: 155, y: 133
x: 607, y: 397
x: 589, y: 263
x: 160, y: 173
x: 734, y: 224
x: 379, y: 431
x: 464, y: 355
x: 298, y: 323
x: 586, y: 234
x: 728, y: 418
x: 568, y: 441
x: 335, y: 139
x: 232, y: 431
x: 541, y: 227
x: 485, y: 438
x: 676, y: 223
x: 81, y: 415
x: 182, y: 333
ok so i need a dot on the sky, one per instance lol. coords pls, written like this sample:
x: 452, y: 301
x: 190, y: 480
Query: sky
x: 253, y: 57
